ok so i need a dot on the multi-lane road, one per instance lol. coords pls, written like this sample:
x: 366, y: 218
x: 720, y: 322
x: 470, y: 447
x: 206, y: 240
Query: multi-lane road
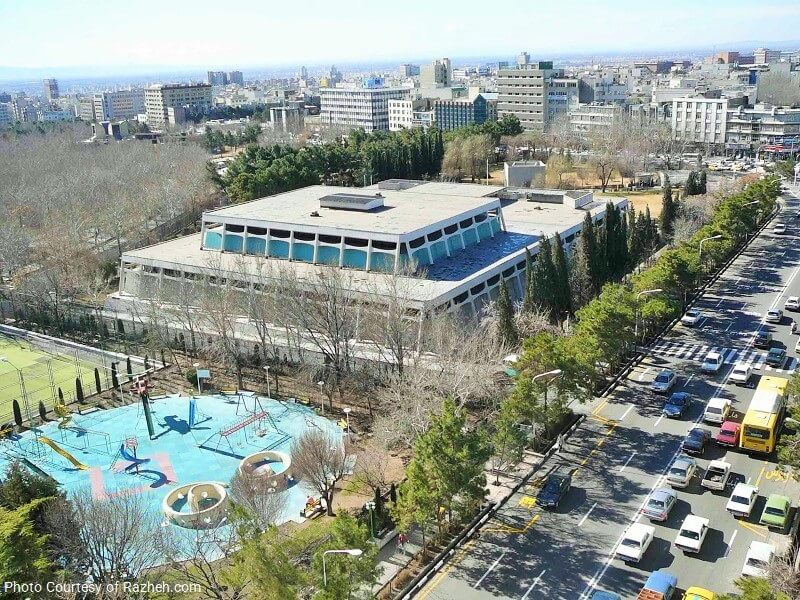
x: 624, y: 448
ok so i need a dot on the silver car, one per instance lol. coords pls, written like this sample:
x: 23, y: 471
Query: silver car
x: 659, y: 504
x: 664, y: 382
x: 681, y: 472
x: 774, y: 316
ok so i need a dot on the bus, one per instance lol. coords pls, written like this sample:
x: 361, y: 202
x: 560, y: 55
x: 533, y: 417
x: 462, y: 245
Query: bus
x: 762, y: 421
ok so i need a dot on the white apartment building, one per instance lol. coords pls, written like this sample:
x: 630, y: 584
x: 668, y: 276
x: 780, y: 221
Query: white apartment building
x: 359, y: 107
x: 122, y: 104
x: 158, y: 99
x: 410, y: 114
x: 590, y: 117
x: 751, y: 128
x: 562, y: 96
x: 700, y: 120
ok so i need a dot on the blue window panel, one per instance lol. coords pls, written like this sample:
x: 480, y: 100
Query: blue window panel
x: 455, y: 244
x: 421, y: 256
x: 256, y: 246
x: 303, y: 252
x: 470, y: 237
x: 484, y: 230
x: 381, y: 261
x: 438, y: 250
x: 495, y: 223
x: 233, y: 243
x: 327, y: 255
x: 404, y: 260
x: 213, y: 240
x: 355, y: 259
x: 278, y: 249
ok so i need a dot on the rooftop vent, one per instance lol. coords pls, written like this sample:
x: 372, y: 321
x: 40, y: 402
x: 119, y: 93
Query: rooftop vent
x: 345, y: 201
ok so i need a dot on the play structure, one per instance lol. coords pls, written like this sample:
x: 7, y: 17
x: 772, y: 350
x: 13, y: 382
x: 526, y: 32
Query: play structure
x: 124, y: 453
x: 196, y: 505
x: 255, y: 422
x: 271, y: 467
x: 58, y: 449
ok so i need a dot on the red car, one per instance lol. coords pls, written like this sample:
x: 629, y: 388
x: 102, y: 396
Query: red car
x: 728, y: 434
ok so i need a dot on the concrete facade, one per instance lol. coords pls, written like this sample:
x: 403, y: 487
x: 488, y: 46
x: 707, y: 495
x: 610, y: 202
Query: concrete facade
x: 523, y: 92
x: 122, y: 104
x: 359, y: 107
x: 159, y: 99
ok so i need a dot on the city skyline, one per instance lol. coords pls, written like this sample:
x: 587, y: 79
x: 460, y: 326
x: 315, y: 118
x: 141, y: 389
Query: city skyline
x: 357, y: 29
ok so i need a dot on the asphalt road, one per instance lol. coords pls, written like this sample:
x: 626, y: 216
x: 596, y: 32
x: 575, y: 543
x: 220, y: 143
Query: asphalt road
x: 623, y: 449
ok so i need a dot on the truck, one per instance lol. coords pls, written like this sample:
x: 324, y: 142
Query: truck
x: 717, y: 474
x: 659, y: 586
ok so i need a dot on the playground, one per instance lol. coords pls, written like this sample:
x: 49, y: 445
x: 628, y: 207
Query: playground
x: 179, y: 452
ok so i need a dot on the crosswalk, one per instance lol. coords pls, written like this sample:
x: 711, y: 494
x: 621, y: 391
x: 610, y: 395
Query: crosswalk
x: 697, y: 352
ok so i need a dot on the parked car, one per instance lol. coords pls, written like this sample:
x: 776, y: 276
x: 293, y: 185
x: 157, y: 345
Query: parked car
x: 659, y: 504
x: 776, y: 357
x: 742, y: 500
x: 774, y: 315
x: 555, y: 488
x: 792, y: 303
x: 763, y: 339
x: 741, y: 373
x: 660, y: 585
x: 692, y: 317
x: 692, y: 533
x: 717, y: 410
x: 676, y: 405
x: 776, y: 511
x: 635, y: 542
x: 696, y: 441
x: 779, y: 228
x: 757, y: 559
x: 728, y: 434
x: 664, y: 381
x: 681, y: 472
x: 712, y: 363
x: 717, y: 474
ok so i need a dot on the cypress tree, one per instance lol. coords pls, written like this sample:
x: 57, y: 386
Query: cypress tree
x: 562, y: 303
x: 702, y: 183
x: 544, y: 278
x: 582, y: 288
x: 668, y: 209
x: 528, y: 301
x: 505, y: 317
x: 590, y: 247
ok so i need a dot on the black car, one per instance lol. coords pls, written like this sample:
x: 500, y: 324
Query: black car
x: 555, y: 488
x: 776, y: 357
x: 677, y: 404
x: 763, y: 339
x: 696, y: 441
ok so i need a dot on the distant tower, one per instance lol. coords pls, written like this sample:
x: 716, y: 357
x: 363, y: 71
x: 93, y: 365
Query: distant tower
x: 523, y: 58
x: 303, y: 72
x: 50, y: 89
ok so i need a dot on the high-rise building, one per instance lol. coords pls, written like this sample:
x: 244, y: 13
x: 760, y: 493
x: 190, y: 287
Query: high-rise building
x: 217, y: 78
x: 409, y: 70
x: 410, y: 114
x: 236, y: 78
x: 159, y: 99
x: 522, y: 92
x: 359, y: 107
x: 84, y: 109
x: 459, y: 112
x: 437, y: 74
x: 523, y: 58
x: 50, y: 89
x: 122, y: 104
x: 303, y: 72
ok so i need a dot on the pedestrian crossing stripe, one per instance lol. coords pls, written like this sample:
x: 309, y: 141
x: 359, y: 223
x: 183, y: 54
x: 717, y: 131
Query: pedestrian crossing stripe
x: 698, y: 352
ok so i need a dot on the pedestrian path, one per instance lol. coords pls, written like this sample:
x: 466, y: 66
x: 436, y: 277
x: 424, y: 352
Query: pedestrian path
x: 697, y: 352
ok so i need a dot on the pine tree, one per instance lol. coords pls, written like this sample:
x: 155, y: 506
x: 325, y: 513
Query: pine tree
x: 668, y: 209
x: 582, y: 288
x: 702, y: 183
x: 544, y: 278
x: 507, y: 328
x: 591, y: 248
x: 528, y: 301
x: 562, y: 303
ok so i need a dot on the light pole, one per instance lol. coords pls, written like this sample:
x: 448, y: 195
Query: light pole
x: 356, y: 552
x: 321, y: 385
x: 700, y: 254
x: 636, y: 314
x: 553, y: 373
x: 370, y: 506
x: 346, y: 411
x: 751, y: 204
x: 197, y: 376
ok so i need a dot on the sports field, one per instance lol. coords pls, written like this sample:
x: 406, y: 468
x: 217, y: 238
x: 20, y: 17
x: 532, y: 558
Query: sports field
x: 43, y: 372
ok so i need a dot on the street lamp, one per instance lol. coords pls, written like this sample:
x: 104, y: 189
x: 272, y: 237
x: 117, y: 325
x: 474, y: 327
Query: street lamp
x: 356, y: 552
x: 370, y: 506
x: 197, y: 376
x: 321, y: 385
x: 700, y: 255
x: 636, y: 314
x: 553, y: 373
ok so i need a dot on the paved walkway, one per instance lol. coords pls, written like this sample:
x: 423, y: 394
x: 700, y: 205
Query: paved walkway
x: 393, y: 558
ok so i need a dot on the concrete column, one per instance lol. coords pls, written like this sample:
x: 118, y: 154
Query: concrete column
x: 291, y: 244
x: 244, y: 240
x: 224, y: 232
x: 202, y: 235
x: 369, y: 254
x: 316, y: 248
x: 502, y: 219
x: 266, y: 247
x: 397, y: 256
x: 341, y: 253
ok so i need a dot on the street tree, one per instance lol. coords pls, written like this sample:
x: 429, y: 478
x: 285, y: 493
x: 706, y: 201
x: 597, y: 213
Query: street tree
x: 322, y: 461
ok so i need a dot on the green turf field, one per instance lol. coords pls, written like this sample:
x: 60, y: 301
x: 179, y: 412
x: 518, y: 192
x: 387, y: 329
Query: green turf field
x: 36, y: 366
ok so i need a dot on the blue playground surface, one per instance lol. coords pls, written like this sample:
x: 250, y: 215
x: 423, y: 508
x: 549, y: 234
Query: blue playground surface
x: 110, y: 451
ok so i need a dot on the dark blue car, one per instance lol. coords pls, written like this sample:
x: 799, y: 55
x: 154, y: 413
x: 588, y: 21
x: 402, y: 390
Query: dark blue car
x: 555, y: 488
x: 676, y: 405
x: 696, y: 441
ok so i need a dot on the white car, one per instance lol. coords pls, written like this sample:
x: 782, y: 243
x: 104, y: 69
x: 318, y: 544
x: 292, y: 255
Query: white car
x: 635, y: 542
x: 664, y: 381
x: 712, y: 363
x: 717, y: 410
x: 742, y: 500
x: 779, y: 228
x: 717, y: 474
x: 774, y: 315
x: 741, y: 373
x: 792, y: 303
x: 758, y: 556
x: 681, y: 472
x: 692, y: 317
x: 692, y: 534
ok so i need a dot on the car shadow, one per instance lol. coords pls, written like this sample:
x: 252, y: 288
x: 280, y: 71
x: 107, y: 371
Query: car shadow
x: 714, y: 546
x: 658, y: 556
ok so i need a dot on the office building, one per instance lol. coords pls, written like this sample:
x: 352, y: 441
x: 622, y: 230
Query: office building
x: 763, y: 127
x: 119, y: 105
x: 459, y: 112
x: 23, y: 110
x: 303, y: 73
x: 437, y: 74
x: 602, y: 89
x: 523, y: 59
x: 700, y: 120
x: 460, y: 240
x: 409, y: 70
x: 236, y: 78
x: 410, y: 114
x: 159, y: 99
x: 522, y: 92
x: 764, y: 56
x: 359, y: 107
x: 50, y: 90
x: 562, y: 96
x: 217, y: 78
x: 84, y: 109
x: 592, y: 117
x: 52, y: 115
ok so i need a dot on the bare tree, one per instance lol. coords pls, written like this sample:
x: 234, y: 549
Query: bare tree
x: 320, y: 459
x: 783, y: 574
x: 263, y: 502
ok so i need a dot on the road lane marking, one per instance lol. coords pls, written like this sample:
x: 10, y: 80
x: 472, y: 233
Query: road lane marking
x: 625, y: 414
x: 534, y: 584
x: 730, y: 544
x: 688, y: 381
x: 643, y: 373
x: 721, y: 300
x: 586, y: 516
x: 490, y: 569
x: 627, y: 461
x: 752, y: 528
x: 729, y: 326
x: 760, y: 475
x: 435, y: 581
x: 658, y: 421
x: 600, y: 406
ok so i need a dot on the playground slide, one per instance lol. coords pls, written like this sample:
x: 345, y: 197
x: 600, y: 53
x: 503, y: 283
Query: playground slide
x: 123, y: 452
x: 63, y: 452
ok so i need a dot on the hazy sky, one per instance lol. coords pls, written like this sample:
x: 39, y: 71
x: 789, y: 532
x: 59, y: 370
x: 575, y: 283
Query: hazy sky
x: 201, y: 33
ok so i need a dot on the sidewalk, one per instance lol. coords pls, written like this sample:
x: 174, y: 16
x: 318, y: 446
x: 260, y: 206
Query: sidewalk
x: 392, y: 559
